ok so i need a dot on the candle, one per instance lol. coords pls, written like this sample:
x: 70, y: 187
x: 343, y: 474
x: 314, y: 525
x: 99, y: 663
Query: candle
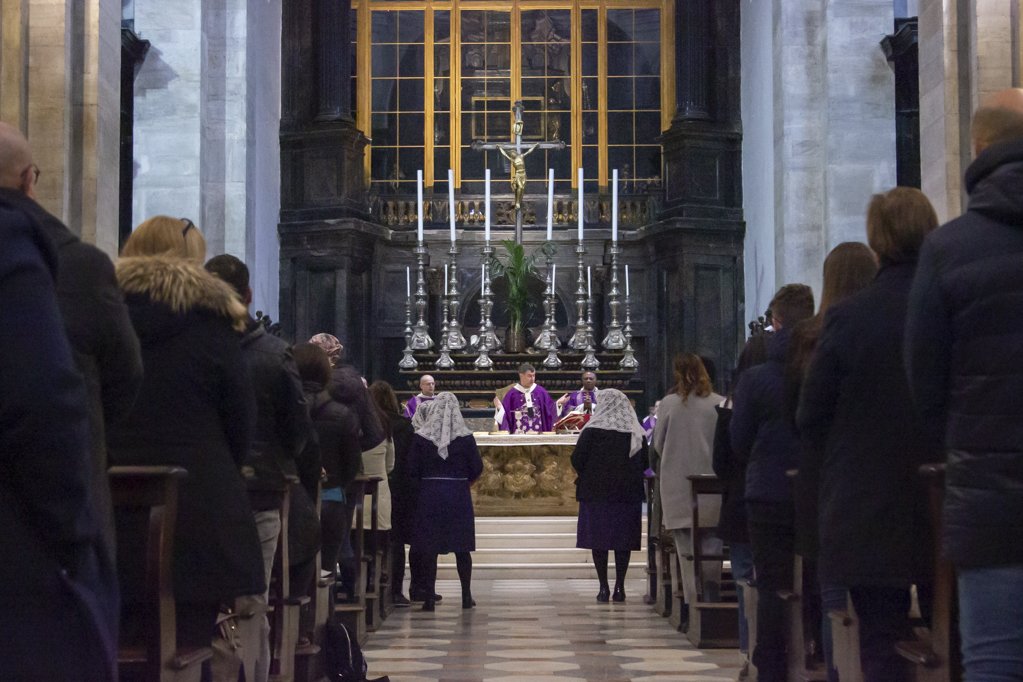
x: 550, y: 204
x: 419, y: 206
x: 580, y: 204
x: 554, y: 275
x: 451, y: 201
x: 614, y: 206
x: 408, y: 282
x: 483, y: 279
x: 445, y: 279
x: 626, y: 280
x: 486, y: 206
x: 589, y: 290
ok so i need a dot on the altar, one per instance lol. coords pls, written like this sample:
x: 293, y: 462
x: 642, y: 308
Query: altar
x: 526, y: 475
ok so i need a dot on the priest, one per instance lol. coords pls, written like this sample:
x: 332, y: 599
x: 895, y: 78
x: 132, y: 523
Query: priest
x: 581, y: 401
x: 527, y: 407
x: 427, y: 392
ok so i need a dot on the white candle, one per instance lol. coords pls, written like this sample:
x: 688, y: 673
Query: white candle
x: 419, y: 206
x: 445, y: 279
x: 550, y: 204
x: 554, y: 275
x: 486, y: 206
x: 451, y: 201
x: 589, y: 289
x: 626, y: 280
x: 580, y: 204
x: 483, y: 279
x: 614, y: 206
x: 408, y: 282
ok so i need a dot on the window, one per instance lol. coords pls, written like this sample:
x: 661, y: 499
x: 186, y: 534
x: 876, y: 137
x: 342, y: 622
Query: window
x: 587, y: 71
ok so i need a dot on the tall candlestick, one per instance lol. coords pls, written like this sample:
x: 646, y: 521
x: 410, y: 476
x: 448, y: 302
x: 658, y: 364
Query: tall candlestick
x: 589, y: 289
x: 626, y: 280
x: 408, y: 282
x: 581, y: 204
x: 550, y: 204
x: 614, y: 206
x: 451, y: 201
x: 419, y: 205
x: 486, y: 205
x: 445, y: 279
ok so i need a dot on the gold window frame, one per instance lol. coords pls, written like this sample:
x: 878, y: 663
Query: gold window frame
x: 364, y: 8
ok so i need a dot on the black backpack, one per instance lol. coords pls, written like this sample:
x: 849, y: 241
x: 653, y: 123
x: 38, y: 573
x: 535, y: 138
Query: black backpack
x: 344, y: 659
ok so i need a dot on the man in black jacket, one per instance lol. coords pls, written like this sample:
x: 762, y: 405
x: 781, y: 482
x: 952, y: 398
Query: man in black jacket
x: 103, y: 341
x: 964, y: 337
x: 278, y: 452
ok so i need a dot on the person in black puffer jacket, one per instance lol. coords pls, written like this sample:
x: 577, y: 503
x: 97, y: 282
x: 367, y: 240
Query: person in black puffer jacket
x: 964, y: 337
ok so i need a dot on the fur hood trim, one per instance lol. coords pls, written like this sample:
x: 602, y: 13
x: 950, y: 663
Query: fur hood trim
x: 181, y: 285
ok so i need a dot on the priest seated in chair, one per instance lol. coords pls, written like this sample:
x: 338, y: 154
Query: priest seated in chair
x: 581, y: 401
x: 427, y: 392
x: 527, y: 407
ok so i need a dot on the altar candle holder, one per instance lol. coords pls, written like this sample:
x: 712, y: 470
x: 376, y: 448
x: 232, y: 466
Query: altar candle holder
x: 455, y: 339
x: 548, y: 338
x: 615, y: 339
x: 408, y: 360
x: 488, y: 338
x: 628, y: 361
x: 420, y: 334
x: 579, y: 340
x: 589, y: 360
x: 444, y: 360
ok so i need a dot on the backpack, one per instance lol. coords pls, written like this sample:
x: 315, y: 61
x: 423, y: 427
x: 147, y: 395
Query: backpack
x: 344, y: 659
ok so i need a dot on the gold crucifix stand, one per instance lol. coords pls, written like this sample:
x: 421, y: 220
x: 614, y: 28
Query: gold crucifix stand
x: 514, y: 153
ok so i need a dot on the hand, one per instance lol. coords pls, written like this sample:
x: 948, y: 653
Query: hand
x: 497, y: 403
x: 561, y: 400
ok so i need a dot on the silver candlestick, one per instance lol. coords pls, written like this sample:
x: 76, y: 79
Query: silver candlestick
x: 578, y: 340
x: 628, y: 361
x: 420, y: 334
x: 444, y: 360
x: 454, y: 334
x: 408, y: 361
x: 548, y: 338
x: 615, y: 339
x: 590, y: 360
x: 488, y: 339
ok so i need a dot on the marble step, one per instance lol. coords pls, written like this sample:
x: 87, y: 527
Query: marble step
x: 525, y: 524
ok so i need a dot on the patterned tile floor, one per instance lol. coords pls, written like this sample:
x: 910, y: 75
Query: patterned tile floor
x: 540, y: 630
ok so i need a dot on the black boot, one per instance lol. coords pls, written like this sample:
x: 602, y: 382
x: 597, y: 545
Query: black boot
x: 463, y: 562
x: 621, y: 568
x: 600, y: 563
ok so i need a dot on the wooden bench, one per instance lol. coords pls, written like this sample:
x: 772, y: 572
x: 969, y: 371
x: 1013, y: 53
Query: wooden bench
x: 145, y: 500
x: 285, y: 605
x: 350, y: 609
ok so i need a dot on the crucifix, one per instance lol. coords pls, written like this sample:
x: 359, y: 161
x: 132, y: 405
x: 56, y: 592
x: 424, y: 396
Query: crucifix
x: 517, y: 157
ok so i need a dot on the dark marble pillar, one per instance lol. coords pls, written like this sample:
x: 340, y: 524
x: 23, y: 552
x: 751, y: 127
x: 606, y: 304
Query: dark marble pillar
x: 693, y: 59
x: 333, y: 59
x: 901, y: 50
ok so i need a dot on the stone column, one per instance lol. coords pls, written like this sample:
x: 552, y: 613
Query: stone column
x: 333, y: 59
x: 693, y: 51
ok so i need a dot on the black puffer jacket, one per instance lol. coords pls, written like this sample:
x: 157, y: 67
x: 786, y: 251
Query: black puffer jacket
x: 963, y: 353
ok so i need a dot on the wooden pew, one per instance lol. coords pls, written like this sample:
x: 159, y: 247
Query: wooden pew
x: 712, y: 624
x: 372, y: 557
x: 309, y: 663
x: 351, y: 607
x: 145, y: 502
x: 934, y: 654
x: 664, y: 560
x: 651, y: 546
x: 285, y: 606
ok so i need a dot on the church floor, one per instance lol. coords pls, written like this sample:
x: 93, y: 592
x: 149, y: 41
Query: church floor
x: 534, y: 630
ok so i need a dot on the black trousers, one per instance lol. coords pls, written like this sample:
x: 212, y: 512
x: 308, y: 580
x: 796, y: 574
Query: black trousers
x: 772, y: 536
x: 883, y: 613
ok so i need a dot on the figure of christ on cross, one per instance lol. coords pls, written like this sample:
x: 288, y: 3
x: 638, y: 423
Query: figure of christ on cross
x: 517, y: 157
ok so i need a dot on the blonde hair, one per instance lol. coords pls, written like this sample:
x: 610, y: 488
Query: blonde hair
x: 165, y: 236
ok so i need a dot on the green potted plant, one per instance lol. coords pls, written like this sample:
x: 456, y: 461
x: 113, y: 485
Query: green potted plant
x: 518, y: 268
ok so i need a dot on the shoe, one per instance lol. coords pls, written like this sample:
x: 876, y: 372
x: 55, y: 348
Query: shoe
x: 400, y: 601
x: 619, y: 594
x: 428, y: 605
x: 418, y: 596
x: 467, y: 601
x: 603, y: 595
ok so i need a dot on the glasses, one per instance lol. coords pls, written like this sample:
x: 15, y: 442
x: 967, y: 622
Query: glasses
x: 188, y: 226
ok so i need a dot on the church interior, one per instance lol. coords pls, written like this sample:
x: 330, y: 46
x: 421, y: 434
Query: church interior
x: 464, y: 188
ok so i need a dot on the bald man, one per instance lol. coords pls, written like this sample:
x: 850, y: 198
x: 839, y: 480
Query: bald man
x: 427, y: 392
x: 964, y: 335
x: 103, y: 341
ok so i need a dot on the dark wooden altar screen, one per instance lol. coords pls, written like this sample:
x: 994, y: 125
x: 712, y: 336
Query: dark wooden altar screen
x: 345, y: 247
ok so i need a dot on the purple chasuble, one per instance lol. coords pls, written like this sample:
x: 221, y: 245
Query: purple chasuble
x: 517, y: 417
x: 649, y: 424
x: 413, y: 404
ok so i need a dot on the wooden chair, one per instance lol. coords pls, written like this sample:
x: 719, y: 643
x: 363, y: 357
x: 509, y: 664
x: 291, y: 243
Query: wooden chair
x: 145, y: 502
x: 935, y: 654
x: 712, y: 624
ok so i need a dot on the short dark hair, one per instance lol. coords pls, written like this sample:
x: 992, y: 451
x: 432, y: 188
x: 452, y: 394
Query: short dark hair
x: 898, y: 221
x: 526, y: 367
x: 231, y: 270
x: 792, y: 303
x: 312, y: 363
x: 995, y: 125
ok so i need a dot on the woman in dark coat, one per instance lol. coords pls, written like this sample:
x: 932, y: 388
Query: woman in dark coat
x: 856, y: 410
x: 445, y: 461
x: 610, y: 458
x: 195, y: 410
x: 403, y: 491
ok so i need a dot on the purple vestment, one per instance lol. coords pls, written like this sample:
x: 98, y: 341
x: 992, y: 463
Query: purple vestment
x: 413, y: 404
x: 517, y: 418
x: 649, y: 424
x: 575, y: 399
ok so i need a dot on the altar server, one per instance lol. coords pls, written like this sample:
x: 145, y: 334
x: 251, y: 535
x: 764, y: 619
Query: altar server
x: 527, y: 407
x: 427, y: 391
x: 581, y: 401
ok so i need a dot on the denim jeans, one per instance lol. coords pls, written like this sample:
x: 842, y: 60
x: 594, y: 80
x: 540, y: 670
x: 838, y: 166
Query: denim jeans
x: 741, y: 556
x: 991, y: 623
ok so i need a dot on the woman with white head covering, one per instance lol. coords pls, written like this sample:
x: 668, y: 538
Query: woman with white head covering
x: 445, y: 461
x: 610, y: 457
